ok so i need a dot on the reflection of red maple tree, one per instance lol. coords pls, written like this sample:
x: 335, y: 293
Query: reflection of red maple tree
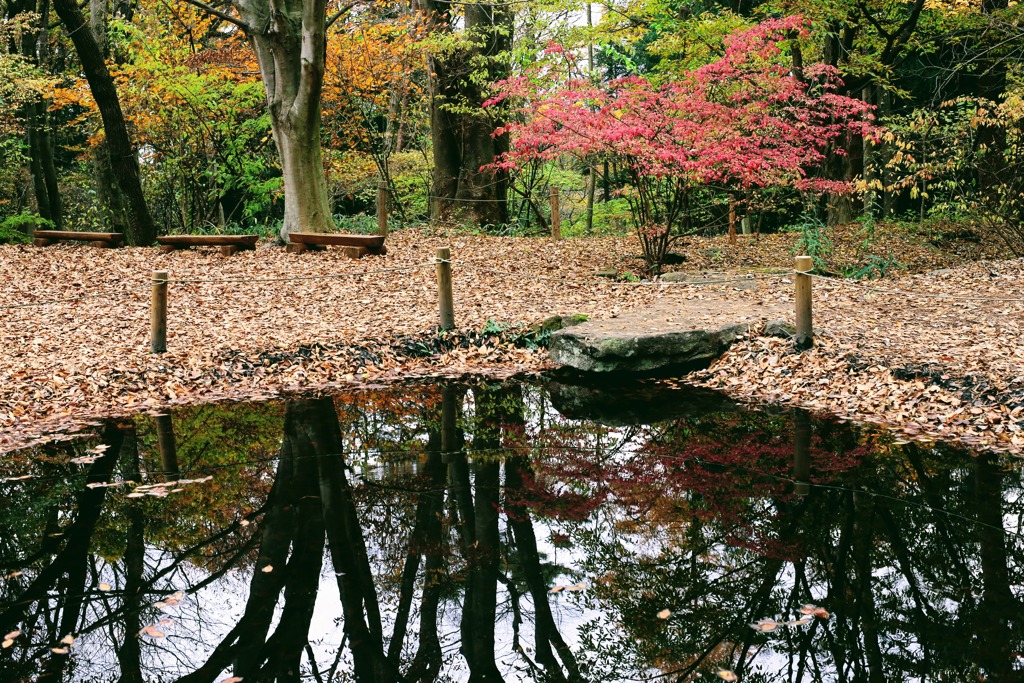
x: 734, y: 477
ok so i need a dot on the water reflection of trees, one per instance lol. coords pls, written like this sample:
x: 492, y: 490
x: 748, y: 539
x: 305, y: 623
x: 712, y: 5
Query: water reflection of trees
x: 905, y: 546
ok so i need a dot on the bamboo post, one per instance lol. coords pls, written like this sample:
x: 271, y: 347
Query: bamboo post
x: 382, y: 209
x: 158, y: 313
x: 445, y: 303
x: 804, y: 328
x: 801, y: 452
x: 556, y: 216
x: 732, y: 219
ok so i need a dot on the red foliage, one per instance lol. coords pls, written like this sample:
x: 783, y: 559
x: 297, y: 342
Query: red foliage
x: 744, y: 120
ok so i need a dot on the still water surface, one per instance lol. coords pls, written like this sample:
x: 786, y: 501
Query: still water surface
x: 507, y: 532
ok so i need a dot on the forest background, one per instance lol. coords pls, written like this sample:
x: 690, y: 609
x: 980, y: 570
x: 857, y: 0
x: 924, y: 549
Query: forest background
x: 409, y: 99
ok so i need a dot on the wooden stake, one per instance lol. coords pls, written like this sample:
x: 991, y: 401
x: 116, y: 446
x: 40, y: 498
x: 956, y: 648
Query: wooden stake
x: 732, y: 219
x: 382, y: 208
x: 158, y: 313
x: 804, y: 328
x: 556, y: 216
x: 446, y: 306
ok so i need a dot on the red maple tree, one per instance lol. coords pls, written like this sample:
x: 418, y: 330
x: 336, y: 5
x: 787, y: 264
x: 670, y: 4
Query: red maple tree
x: 746, y: 120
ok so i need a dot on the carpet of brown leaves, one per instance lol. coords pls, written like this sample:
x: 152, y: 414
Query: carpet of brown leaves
x: 934, y: 367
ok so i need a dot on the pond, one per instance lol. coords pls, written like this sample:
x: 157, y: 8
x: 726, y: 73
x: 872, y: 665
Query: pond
x: 518, y: 531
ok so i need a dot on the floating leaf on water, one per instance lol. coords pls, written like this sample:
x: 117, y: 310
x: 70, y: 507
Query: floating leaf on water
x: 99, y: 449
x: 136, y: 494
x: 68, y: 639
x: 556, y: 589
x: 160, y: 605
x: 233, y: 679
x: 578, y: 587
x: 821, y: 613
x: 729, y: 676
x: 152, y: 632
x: 243, y: 522
x: 13, y: 634
x: 269, y: 568
x: 13, y: 574
x: 166, y: 622
x: 7, y: 643
x: 808, y: 609
x: 105, y: 586
x: 765, y: 625
x: 799, y: 622
x: 59, y: 650
x: 665, y: 613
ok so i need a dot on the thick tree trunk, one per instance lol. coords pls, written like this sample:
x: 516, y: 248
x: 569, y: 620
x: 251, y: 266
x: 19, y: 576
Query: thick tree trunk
x: 35, y: 47
x: 125, y: 167
x: 290, y: 42
x: 461, y: 131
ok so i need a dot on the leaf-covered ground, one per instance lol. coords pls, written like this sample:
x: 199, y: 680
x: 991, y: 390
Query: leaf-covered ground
x: 935, y: 367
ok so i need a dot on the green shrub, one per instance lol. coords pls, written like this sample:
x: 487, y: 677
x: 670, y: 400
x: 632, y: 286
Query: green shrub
x: 15, y: 229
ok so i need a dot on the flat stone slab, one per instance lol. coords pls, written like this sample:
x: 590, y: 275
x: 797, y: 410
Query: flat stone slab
x: 671, y: 333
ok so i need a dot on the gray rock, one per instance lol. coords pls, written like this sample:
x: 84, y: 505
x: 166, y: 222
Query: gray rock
x: 595, y: 348
x: 779, y: 328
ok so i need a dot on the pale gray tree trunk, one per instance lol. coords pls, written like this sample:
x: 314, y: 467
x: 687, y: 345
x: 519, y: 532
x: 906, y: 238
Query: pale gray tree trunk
x: 289, y: 38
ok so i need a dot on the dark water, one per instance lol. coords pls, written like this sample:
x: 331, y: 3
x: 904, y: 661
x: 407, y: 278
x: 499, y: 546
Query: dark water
x: 510, y: 532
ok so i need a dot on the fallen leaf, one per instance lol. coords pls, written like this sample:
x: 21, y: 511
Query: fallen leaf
x: 765, y: 625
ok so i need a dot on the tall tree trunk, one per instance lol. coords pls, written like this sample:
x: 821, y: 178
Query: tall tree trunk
x: 991, y: 86
x: 36, y: 48
x: 461, y: 131
x: 290, y: 42
x: 123, y: 163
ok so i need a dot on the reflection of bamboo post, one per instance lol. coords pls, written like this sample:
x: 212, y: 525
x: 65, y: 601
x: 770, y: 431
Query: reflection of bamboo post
x: 556, y: 216
x: 382, y: 209
x: 449, y: 421
x: 732, y: 219
x: 801, y: 452
x: 168, y: 451
x: 804, y: 329
x: 445, y: 302
x: 158, y: 313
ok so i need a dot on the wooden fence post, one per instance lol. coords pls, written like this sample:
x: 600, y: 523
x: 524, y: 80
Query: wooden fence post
x: 556, y: 216
x: 804, y: 327
x: 732, y: 219
x: 382, y: 209
x: 158, y: 313
x: 445, y: 302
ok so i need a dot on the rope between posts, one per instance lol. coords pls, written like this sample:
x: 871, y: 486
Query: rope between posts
x: 293, y: 279
x: 55, y: 301
x: 617, y: 283
x: 901, y: 292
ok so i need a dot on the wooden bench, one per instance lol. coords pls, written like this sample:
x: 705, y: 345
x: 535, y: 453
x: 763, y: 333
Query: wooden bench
x: 355, y: 246
x: 103, y: 240
x: 228, y: 244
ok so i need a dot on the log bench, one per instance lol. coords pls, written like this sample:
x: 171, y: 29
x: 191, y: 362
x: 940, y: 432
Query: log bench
x: 228, y: 244
x: 354, y: 246
x: 103, y: 240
